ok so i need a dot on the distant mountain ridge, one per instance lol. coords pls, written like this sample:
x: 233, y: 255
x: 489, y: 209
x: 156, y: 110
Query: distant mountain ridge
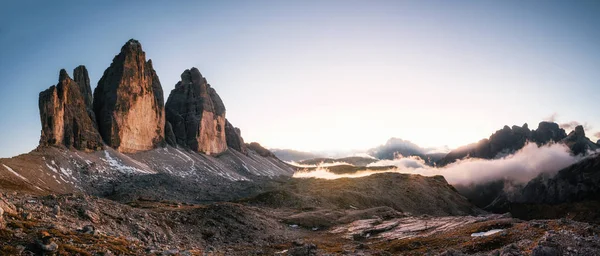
x: 294, y: 155
x: 396, y: 147
x: 510, y: 139
x: 569, y: 182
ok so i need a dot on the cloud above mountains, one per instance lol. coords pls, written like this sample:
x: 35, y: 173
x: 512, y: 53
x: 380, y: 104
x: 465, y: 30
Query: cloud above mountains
x: 568, y: 126
x: 571, y: 125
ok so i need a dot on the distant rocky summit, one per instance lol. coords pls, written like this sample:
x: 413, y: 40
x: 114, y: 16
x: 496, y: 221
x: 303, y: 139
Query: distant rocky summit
x: 197, y: 114
x: 578, y: 142
x: 394, y: 147
x: 294, y: 155
x: 510, y: 139
x: 128, y: 102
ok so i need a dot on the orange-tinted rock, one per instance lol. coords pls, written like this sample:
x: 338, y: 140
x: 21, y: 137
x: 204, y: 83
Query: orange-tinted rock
x: 197, y: 114
x: 65, y: 121
x: 128, y: 102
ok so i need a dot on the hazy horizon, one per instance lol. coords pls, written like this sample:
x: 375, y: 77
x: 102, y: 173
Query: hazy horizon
x: 293, y: 76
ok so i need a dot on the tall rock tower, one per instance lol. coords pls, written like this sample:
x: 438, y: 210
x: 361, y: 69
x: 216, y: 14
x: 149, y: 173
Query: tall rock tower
x: 65, y: 121
x: 128, y: 102
x: 197, y: 114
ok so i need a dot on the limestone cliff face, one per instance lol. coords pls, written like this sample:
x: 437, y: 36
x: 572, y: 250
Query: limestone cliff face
x: 65, y: 121
x: 234, y: 137
x: 197, y: 114
x: 128, y: 102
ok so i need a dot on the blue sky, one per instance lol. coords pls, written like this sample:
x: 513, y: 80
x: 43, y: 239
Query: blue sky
x: 324, y: 75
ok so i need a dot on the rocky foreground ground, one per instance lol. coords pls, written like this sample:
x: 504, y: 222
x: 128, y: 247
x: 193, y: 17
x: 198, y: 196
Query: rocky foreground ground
x: 79, y: 224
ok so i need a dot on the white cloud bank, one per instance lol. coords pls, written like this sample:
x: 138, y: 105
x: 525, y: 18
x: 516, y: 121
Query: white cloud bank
x: 520, y: 167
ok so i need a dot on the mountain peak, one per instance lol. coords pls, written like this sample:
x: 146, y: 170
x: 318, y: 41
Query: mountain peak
x: 64, y: 116
x: 197, y: 115
x: 579, y: 131
x: 81, y: 77
x: 63, y: 75
x: 133, y: 45
x: 129, y: 103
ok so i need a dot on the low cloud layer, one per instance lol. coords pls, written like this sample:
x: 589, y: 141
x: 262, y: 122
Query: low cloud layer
x: 520, y: 167
x: 323, y: 165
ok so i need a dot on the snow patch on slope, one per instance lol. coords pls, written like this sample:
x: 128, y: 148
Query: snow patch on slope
x: 15, y: 173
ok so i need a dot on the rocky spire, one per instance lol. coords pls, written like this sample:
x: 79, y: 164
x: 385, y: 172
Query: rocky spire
x: 234, y: 137
x: 81, y: 77
x: 128, y: 102
x: 65, y: 121
x: 197, y: 114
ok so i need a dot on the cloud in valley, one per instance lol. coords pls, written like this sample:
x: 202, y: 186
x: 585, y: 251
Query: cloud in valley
x: 520, y: 167
x: 317, y: 165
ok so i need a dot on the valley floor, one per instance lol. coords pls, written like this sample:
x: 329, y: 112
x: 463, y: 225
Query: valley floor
x: 77, y: 224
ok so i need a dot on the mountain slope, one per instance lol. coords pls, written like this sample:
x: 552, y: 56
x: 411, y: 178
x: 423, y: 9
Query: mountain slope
x: 402, y: 192
x: 56, y: 170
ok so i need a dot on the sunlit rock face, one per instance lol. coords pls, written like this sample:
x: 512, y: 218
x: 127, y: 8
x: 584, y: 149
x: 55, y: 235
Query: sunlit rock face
x: 128, y: 102
x: 197, y: 114
x: 65, y: 121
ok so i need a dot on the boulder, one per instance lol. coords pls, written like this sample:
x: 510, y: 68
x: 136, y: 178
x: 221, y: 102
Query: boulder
x: 197, y: 114
x: 65, y: 121
x: 8, y: 207
x: 128, y: 102
x: 234, y: 137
